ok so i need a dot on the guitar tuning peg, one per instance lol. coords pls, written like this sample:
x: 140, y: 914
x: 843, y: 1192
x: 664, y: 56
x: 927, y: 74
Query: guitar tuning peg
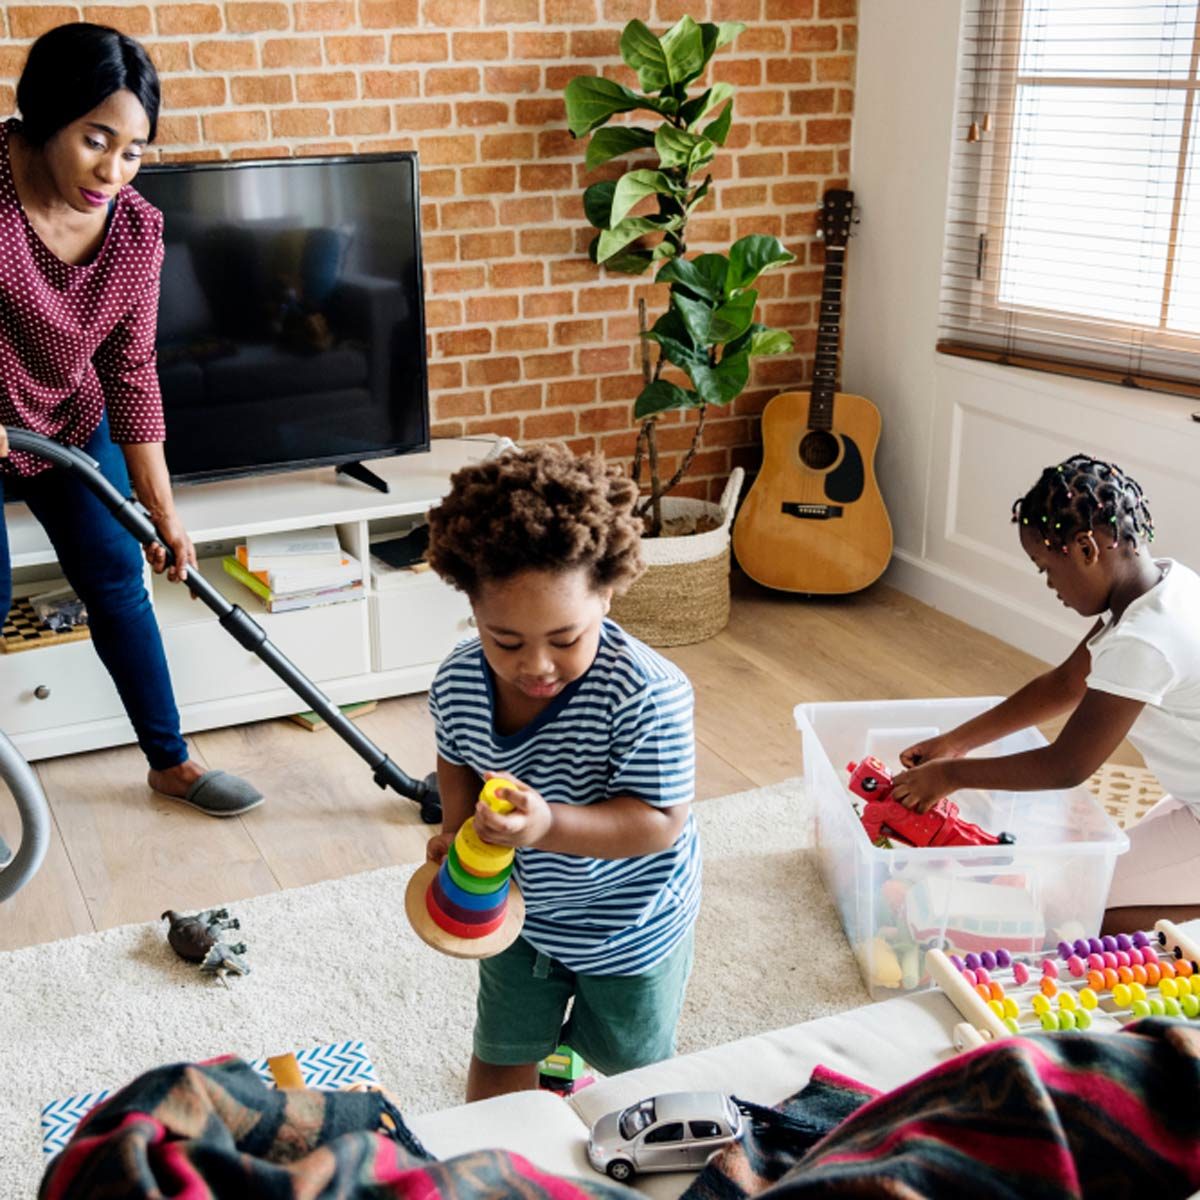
x: 820, y: 233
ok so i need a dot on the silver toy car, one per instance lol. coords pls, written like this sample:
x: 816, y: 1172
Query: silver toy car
x: 679, y: 1131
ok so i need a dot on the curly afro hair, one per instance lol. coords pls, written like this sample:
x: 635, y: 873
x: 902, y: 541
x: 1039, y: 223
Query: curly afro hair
x: 542, y: 509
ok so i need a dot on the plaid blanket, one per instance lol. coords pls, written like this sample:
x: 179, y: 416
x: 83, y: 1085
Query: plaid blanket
x: 1048, y: 1117
x: 216, y: 1131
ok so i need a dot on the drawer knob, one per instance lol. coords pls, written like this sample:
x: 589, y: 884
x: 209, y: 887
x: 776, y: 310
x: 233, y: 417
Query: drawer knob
x: 42, y: 692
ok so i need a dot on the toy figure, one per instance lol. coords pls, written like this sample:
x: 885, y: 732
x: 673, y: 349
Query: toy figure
x: 887, y: 820
x: 197, y: 939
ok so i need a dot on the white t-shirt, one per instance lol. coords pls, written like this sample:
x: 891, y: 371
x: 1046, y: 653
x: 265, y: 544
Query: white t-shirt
x: 1152, y: 654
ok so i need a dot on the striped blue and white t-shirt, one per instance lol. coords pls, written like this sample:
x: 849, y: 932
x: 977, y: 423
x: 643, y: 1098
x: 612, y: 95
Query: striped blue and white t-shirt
x: 624, y: 728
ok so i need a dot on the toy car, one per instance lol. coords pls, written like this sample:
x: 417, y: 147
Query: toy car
x: 887, y: 820
x: 679, y: 1131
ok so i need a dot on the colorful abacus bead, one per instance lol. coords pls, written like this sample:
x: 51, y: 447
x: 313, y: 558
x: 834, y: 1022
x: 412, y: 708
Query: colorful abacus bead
x: 1020, y: 973
x: 1003, y: 958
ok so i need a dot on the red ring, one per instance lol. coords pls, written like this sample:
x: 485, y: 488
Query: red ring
x: 457, y: 928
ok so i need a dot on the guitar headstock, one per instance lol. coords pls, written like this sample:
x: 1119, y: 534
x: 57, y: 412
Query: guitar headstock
x: 837, y: 215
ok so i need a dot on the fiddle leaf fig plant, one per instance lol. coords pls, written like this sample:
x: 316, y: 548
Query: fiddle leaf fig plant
x: 708, y: 330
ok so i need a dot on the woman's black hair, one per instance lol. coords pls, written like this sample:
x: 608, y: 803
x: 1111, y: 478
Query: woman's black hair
x: 73, y: 68
x: 1083, y: 493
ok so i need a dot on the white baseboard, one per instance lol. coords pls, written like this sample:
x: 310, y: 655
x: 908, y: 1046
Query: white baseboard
x: 1029, y: 629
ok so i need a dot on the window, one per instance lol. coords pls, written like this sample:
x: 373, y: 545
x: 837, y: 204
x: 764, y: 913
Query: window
x: 671, y: 1132
x: 1073, y: 221
x: 704, y: 1129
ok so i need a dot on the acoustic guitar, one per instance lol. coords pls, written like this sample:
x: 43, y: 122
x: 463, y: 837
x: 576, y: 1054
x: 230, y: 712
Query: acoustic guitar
x: 814, y: 520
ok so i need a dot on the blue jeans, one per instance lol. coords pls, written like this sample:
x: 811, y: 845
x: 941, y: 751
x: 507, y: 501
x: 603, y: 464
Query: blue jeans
x: 103, y: 563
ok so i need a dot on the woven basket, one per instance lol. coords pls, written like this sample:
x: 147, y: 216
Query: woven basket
x: 683, y: 597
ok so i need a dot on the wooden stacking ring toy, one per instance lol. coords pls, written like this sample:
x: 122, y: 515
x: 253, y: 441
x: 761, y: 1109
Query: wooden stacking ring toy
x: 468, y: 906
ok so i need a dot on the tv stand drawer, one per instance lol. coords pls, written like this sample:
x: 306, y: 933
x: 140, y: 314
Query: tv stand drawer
x: 418, y: 620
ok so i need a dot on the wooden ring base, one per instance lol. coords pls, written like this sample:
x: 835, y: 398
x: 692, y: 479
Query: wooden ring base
x: 434, y: 935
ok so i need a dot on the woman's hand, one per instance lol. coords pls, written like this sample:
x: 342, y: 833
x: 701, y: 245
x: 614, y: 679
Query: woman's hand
x: 942, y: 746
x: 170, y: 529
x: 527, y: 824
x: 922, y: 787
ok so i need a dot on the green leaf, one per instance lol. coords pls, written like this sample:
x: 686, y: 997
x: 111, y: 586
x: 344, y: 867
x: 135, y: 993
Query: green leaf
x: 699, y: 193
x: 724, y: 382
x: 665, y: 249
x: 610, y: 143
x: 635, y: 186
x: 716, y: 36
x: 703, y: 276
x: 671, y: 334
x: 750, y: 256
x: 770, y: 341
x: 683, y: 44
x: 592, y: 100
x: 624, y: 232
x: 696, y: 315
x: 733, y: 318
x: 661, y: 396
x: 597, y: 203
x: 692, y: 112
x: 662, y: 63
x: 718, y: 130
x: 630, y: 262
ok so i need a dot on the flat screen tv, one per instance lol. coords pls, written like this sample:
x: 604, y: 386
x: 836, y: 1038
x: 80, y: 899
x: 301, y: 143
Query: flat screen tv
x: 291, y: 327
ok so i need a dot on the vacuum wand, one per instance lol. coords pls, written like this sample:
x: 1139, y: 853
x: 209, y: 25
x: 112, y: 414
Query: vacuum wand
x: 234, y: 619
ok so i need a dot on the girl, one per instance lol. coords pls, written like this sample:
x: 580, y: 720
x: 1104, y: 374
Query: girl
x: 1086, y: 526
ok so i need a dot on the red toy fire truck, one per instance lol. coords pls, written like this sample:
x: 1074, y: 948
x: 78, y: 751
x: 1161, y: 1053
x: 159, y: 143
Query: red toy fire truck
x: 885, y: 818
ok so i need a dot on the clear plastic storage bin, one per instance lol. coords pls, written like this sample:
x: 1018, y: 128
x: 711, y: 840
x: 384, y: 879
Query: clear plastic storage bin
x: 897, y: 903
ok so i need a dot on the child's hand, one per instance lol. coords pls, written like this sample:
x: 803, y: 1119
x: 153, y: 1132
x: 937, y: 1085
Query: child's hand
x: 438, y: 847
x: 922, y: 787
x: 942, y: 746
x: 529, y: 821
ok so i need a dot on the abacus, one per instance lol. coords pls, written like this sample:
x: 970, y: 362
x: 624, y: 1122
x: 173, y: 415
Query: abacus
x: 1097, y: 984
x: 468, y: 906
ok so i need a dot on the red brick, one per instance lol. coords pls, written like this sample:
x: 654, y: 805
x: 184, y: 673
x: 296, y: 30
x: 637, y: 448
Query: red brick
x: 212, y: 154
x: 362, y: 119
x: 358, y: 48
x: 488, y: 181
x: 501, y: 244
x: 788, y: 70
x: 811, y: 100
x: 743, y: 197
x: 443, y: 14
x: 256, y: 16
x: 517, y: 275
x: 445, y: 375
x: 178, y: 131
x: 241, y: 126
x: 540, y: 47
x: 479, y: 47
x: 788, y: 195
x: 548, y: 366
x: 547, y: 304
x: 810, y: 162
x: 444, y: 314
x: 822, y: 133
x: 392, y: 85
x: 831, y: 9
x: 531, y: 210
x: 611, y: 360
x: 620, y: 387
x: 487, y: 371
x: 419, y: 47
x: 541, y: 112
x: 193, y: 93
x: 187, y: 18
x: 468, y: 214
x: 575, y: 333
x: 602, y: 418
x: 779, y: 133
x: 474, y: 114
x: 32, y: 20
x: 511, y: 80
x: 462, y: 404
x: 440, y: 151
x: 292, y: 52
x: 272, y: 151
x: 326, y: 85
x: 571, y: 12
x: 548, y: 425
x: 321, y: 15
x: 745, y: 11
x: 756, y: 166
x: 763, y: 39
x: 228, y: 55
x: 522, y: 337
x: 507, y: 146
x: 456, y: 279
x: 604, y: 299
x: 837, y: 68
x: 618, y: 445
x: 439, y: 249
x: 845, y: 100
x: 451, y: 81
x: 512, y: 12
x: 464, y: 341
x: 509, y: 427
x: 134, y: 20
x: 489, y: 309
x: 516, y: 399
x: 547, y: 177
x: 741, y: 72
x: 573, y: 271
x: 387, y: 14
x: 809, y: 38
x: 849, y: 37
x: 300, y: 122
x: 170, y: 56
x: 424, y: 116
x: 262, y: 89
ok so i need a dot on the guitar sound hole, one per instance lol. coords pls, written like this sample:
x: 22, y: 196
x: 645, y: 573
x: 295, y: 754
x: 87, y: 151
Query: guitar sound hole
x: 819, y: 449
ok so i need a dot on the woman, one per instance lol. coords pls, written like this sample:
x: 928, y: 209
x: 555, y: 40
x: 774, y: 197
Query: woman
x: 80, y: 254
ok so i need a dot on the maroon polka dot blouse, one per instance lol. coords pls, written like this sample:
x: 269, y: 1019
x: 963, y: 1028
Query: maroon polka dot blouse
x: 75, y: 340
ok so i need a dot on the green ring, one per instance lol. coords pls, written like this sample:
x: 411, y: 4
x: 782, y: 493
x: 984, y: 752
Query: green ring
x: 474, y: 883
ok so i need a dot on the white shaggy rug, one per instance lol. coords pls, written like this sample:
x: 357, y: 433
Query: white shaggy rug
x: 337, y: 961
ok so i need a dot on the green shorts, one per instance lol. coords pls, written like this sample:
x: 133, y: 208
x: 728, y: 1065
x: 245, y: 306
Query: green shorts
x: 617, y: 1022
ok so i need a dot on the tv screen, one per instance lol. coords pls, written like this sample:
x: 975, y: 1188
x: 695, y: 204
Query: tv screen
x: 291, y: 326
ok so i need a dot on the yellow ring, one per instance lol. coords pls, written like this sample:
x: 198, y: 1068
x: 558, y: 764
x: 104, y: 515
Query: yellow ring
x: 479, y: 856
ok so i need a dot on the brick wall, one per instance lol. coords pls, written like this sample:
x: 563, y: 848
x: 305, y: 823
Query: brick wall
x: 526, y: 337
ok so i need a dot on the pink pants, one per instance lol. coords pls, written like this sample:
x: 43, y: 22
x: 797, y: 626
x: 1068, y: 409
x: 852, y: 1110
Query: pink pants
x: 1160, y: 866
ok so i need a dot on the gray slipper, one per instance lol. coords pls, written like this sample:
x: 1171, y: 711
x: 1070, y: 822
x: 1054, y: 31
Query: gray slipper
x: 6, y: 854
x: 220, y: 794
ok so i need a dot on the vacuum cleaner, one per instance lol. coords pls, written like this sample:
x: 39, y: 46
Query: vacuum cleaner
x: 20, y: 777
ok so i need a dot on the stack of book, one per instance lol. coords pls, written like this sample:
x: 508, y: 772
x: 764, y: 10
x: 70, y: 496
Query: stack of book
x: 297, y: 569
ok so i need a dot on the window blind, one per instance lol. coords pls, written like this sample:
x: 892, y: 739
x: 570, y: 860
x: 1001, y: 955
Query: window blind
x: 1073, y: 217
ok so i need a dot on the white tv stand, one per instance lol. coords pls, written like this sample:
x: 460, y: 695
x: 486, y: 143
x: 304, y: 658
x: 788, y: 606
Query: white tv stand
x: 58, y: 699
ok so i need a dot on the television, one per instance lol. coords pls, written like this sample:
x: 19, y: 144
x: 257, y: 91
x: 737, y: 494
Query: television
x: 291, y: 325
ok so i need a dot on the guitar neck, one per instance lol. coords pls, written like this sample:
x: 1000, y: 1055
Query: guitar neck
x: 825, y: 367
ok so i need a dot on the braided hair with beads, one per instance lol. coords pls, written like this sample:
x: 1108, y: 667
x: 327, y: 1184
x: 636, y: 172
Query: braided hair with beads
x: 1083, y: 493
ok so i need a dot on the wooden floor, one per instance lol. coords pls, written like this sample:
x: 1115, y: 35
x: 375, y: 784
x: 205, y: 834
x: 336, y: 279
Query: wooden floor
x: 121, y: 854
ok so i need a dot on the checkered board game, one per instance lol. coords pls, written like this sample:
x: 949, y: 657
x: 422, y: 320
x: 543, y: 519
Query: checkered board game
x: 331, y: 1068
x: 25, y: 630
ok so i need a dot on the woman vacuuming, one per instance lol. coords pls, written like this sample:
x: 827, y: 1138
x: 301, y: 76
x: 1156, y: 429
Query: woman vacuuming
x: 80, y: 255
